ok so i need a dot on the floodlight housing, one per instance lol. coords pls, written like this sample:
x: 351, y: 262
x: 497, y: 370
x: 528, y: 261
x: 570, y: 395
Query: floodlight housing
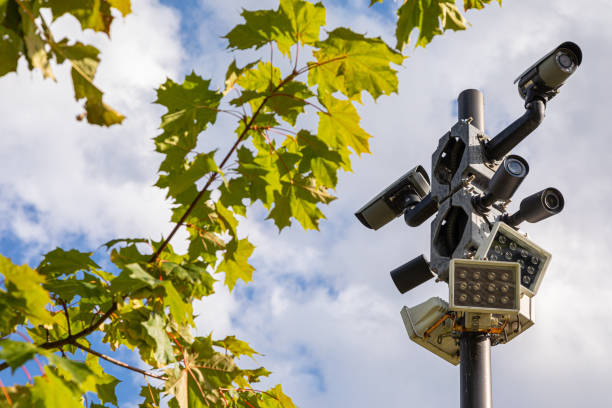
x: 506, y: 244
x: 428, y: 324
x: 478, y: 286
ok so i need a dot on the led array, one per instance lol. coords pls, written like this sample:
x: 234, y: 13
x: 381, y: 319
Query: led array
x: 507, y: 245
x: 484, y: 286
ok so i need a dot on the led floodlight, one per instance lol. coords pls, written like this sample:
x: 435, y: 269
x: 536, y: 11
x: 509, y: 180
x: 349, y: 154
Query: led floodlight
x: 507, y: 245
x: 484, y: 286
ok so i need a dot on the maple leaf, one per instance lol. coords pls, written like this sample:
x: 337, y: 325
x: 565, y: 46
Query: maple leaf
x: 430, y: 17
x: 352, y: 63
x: 234, y: 263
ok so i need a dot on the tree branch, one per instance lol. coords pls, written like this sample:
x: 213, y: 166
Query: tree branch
x: 213, y: 176
x: 67, y: 316
x: 71, y: 339
x: 119, y: 363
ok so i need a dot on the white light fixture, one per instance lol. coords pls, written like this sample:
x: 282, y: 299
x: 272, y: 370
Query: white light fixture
x: 477, y: 286
x: 507, y: 245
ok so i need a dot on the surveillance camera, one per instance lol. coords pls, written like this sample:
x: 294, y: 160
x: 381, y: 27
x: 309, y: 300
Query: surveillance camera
x: 404, y: 193
x: 545, y: 77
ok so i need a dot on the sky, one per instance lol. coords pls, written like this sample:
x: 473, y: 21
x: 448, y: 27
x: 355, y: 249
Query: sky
x: 322, y: 308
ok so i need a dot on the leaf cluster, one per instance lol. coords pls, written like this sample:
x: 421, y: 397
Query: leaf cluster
x: 430, y: 18
x: 295, y: 130
x: 25, y: 33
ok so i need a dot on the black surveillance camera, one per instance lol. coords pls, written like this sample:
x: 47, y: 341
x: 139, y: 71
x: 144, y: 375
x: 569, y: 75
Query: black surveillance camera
x: 545, y: 77
x: 404, y: 193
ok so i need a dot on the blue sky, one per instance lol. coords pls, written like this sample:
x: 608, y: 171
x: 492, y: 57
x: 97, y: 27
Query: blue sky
x: 322, y: 308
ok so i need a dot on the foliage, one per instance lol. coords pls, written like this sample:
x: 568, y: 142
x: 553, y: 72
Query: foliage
x: 430, y: 18
x: 145, y: 302
x: 296, y: 128
x: 25, y: 32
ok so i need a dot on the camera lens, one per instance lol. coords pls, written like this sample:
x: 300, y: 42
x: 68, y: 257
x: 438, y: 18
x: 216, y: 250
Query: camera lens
x: 551, y: 201
x: 565, y: 61
x: 515, y: 167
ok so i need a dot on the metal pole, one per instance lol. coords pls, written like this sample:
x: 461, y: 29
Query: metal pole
x: 471, y: 105
x: 475, y: 381
x: 475, y: 348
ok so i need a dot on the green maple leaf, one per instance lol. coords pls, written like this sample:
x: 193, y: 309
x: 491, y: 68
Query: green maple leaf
x: 155, y: 328
x: 60, y: 262
x: 477, y: 4
x: 305, y: 18
x: 276, y: 398
x: 25, y: 292
x: 52, y: 391
x: 318, y: 157
x: 84, y: 60
x: 235, y: 346
x: 289, y: 101
x: 181, y: 311
x: 192, y: 106
x: 132, y: 279
x: 234, y: 73
x: 430, y: 17
x: 178, y: 180
x: 93, y: 14
x: 10, y: 48
x: 76, y: 371
x: 340, y: 126
x: 234, y: 263
x: 35, y: 47
x: 105, y: 384
x: 352, y: 63
x: 16, y: 353
x: 260, y: 28
x: 124, y: 6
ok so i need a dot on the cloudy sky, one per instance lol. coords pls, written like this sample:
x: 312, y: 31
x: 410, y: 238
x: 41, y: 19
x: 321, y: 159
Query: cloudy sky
x: 322, y: 307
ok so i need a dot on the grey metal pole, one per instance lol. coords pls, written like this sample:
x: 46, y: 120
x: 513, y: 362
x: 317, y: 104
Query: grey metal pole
x: 471, y: 105
x: 475, y: 348
x: 475, y: 369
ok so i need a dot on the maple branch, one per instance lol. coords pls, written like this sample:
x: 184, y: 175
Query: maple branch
x: 67, y: 316
x: 213, y: 176
x: 318, y: 64
x: 117, y: 362
x: 71, y: 339
x: 151, y: 392
x: 5, y: 392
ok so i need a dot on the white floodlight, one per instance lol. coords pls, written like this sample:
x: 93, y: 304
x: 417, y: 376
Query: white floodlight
x: 508, y: 245
x: 477, y: 286
x: 429, y: 325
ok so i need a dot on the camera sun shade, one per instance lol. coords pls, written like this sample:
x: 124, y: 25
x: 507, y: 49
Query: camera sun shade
x: 428, y: 326
x: 484, y: 286
x: 507, y: 245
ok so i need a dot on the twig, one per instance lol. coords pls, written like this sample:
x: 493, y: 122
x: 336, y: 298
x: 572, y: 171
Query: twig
x: 72, y: 339
x: 319, y: 64
x: 119, y: 363
x: 8, y: 399
x: 67, y: 316
x: 150, y: 391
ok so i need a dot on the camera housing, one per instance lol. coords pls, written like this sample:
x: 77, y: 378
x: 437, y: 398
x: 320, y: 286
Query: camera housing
x: 405, y: 192
x: 548, y: 74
